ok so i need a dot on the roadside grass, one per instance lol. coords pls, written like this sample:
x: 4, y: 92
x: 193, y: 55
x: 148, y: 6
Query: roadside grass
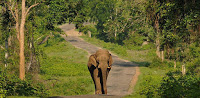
x: 21, y: 97
x: 64, y: 68
x: 148, y: 79
x: 139, y: 55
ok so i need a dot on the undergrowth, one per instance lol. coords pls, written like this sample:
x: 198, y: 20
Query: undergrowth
x: 11, y: 85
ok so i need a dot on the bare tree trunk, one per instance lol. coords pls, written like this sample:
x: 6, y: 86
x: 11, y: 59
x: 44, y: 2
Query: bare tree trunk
x: 89, y: 34
x: 174, y: 64
x: 158, y: 47
x: 30, y: 58
x: 183, y: 69
x: 6, y: 53
x: 17, y: 20
x: 21, y: 44
x: 115, y: 34
x: 20, y: 30
x: 157, y: 37
x: 162, y: 55
x: 168, y: 51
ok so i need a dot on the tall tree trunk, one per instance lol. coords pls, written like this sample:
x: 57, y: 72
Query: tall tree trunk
x: 21, y: 43
x: 89, y: 34
x: 6, y: 53
x: 162, y: 55
x: 174, y: 64
x: 17, y: 20
x: 158, y: 36
x: 158, y: 46
x: 20, y: 31
x: 183, y: 69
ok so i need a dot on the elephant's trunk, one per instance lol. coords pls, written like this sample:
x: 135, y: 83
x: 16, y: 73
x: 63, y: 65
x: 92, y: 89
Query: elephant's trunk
x: 104, y: 72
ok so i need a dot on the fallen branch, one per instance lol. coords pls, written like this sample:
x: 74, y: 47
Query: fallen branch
x: 45, y: 39
x: 2, y: 47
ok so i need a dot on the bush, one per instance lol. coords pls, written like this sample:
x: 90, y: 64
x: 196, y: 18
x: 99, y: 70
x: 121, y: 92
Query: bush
x: 11, y: 85
x: 194, y: 66
x: 150, y: 85
x: 157, y: 63
x: 134, y: 40
x: 87, y: 28
x: 174, y: 85
x: 194, y: 50
x: 2, y: 92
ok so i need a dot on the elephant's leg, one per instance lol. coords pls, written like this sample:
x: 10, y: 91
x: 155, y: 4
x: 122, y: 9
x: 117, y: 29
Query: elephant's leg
x: 91, y: 69
x: 97, y: 81
x: 91, y: 73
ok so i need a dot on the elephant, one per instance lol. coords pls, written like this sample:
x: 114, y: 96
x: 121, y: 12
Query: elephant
x: 99, y: 65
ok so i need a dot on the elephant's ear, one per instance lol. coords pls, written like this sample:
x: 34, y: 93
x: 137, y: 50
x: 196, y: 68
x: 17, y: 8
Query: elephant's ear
x: 92, y: 61
x: 110, y: 60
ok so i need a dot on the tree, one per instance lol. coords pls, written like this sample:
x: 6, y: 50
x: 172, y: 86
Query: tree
x: 20, y: 29
x: 154, y: 17
x: 113, y: 18
x: 4, y: 26
x: 177, y: 25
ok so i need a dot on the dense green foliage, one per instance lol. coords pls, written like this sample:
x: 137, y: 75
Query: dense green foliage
x: 176, y: 85
x: 172, y: 85
x: 116, y: 20
x: 11, y: 85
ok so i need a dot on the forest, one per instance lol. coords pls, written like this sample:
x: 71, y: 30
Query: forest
x: 161, y: 36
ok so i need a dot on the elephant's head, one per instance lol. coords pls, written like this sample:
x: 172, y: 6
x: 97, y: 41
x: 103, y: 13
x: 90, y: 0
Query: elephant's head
x: 102, y: 58
x: 99, y: 65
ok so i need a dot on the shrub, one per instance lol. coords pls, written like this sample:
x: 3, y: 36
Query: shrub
x: 87, y: 28
x: 194, y: 66
x: 11, y: 85
x: 150, y: 85
x: 175, y: 85
x: 2, y: 92
x: 157, y: 63
x: 134, y: 40
x: 194, y: 50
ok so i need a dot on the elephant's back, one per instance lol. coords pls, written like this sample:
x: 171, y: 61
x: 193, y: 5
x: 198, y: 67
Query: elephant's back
x: 102, y: 51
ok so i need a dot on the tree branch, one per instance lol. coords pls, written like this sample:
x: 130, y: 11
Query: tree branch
x: 31, y: 7
x: 2, y: 47
x: 10, y: 8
